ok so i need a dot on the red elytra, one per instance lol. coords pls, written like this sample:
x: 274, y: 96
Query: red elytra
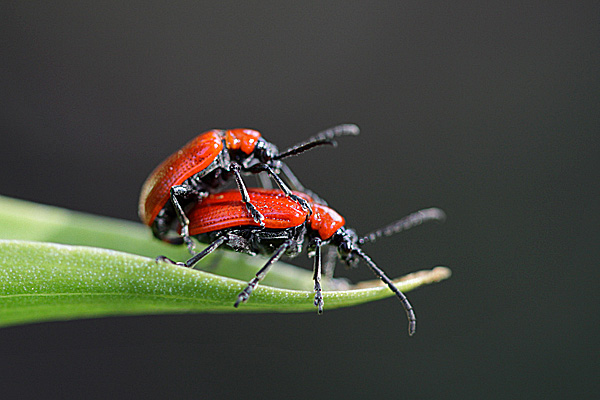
x: 226, y: 210
x: 191, y: 159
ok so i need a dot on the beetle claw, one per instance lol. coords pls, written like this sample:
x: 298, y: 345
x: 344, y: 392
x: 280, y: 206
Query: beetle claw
x: 168, y: 260
x: 319, y: 304
x: 318, y: 298
x: 242, y: 297
x: 190, y: 244
x: 256, y: 215
x: 303, y: 203
x: 245, y: 294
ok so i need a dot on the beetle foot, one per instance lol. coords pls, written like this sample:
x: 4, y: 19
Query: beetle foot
x: 318, y: 298
x: 168, y: 260
x: 190, y: 244
x: 305, y: 204
x: 256, y: 215
x: 245, y: 294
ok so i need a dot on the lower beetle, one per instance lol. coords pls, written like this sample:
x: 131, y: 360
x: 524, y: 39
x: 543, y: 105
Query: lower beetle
x: 223, y: 219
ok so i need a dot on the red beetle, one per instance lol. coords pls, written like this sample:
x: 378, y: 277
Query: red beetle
x: 206, y: 164
x: 222, y: 219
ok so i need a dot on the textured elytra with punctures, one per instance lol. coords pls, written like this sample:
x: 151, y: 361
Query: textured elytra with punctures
x: 226, y: 210
x: 192, y: 158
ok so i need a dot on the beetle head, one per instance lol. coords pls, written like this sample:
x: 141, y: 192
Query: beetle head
x: 346, y: 241
x: 265, y: 152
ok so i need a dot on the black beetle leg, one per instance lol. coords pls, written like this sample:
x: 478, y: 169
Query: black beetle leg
x: 168, y: 260
x: 330, y: 261
x: 196, y: 257
x: 316, y: 243
x: 183, y: 192
x: 256, y: 215
x: 410, y: 314
x: 294, y: 184
x: 286, y: 190
x: 245, y: 294
x: 264, y: 181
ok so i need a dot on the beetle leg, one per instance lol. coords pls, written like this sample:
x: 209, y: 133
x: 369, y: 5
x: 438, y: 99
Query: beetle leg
x: 286, y: 190
x: 316, y: 242
x: 214, y: 262
x: 410, y: 314
x: 330, y: 261
x: 168, y: 260
x: 245, y: 294
x: 181, y: 192
x: 291, y: 179
x: 294, y: 184
x: 256, y: 215
x: 196, y: 257
x: 264, y: 181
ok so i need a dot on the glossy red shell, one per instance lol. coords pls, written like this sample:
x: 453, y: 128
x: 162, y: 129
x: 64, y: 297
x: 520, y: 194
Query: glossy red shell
x: 242, y: 139
x: 226, y: 210
x: 325, y: 221
x: 189, y: 160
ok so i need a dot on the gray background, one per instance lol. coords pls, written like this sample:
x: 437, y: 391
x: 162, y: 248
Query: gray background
x: 488, y: 110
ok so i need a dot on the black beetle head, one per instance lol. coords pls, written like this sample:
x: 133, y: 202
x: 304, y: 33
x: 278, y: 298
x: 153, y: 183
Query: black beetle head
x: 346, y: 240
x: 264, y: 152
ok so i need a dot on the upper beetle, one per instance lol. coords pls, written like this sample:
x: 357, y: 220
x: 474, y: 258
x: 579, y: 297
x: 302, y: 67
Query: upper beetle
x: 222, y: 219
x: 210, y: 160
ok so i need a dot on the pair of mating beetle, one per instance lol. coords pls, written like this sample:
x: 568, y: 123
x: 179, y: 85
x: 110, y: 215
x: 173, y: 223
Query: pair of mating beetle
x: 183, y: 198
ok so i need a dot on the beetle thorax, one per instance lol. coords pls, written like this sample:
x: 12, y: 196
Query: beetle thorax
x: 325, y: 221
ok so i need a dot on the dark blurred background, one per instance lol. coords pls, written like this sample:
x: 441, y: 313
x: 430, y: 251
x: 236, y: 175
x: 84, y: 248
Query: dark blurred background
x: 487, y: 110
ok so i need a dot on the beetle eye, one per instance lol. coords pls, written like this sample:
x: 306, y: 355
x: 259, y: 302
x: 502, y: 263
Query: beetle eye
x: 344, y: 249
x: 265, y: 151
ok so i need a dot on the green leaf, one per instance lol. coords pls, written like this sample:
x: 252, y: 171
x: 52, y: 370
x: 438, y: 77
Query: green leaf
x: 50, y: 281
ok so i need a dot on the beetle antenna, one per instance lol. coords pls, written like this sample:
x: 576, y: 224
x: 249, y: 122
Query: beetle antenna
x: 302, y: 147
x: 325, y: 137
x: 337, y: 131
x: 410, y: 314
x: 403, y: 224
